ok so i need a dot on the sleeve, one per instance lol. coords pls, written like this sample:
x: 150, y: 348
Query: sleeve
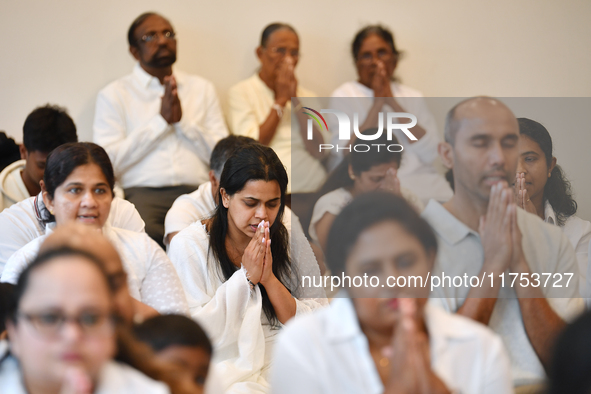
x: 16, y: 230
x: 582, y: 255
x: 307, y: 298
x: 125, y: 147
x: 241, y: 116
x: 497, y: 369
x: 124, y: 215
x: 181, y: 215
x: 17, y: 263
x: 204, y: 135
x: 161, y: 287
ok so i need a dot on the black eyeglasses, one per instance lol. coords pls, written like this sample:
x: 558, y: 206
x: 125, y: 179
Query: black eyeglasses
x: 50, y: 324
x: 152, y: 37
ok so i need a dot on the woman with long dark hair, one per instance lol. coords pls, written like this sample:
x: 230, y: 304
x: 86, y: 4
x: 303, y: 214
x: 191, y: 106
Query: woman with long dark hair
x: 78, y: 187
x: 542, y: 188
x: 241, y: 270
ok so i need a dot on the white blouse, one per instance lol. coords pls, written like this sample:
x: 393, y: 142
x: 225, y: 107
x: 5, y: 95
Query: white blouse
x: 327, y: 352
x: 151, y: 276
x: 231, y: 313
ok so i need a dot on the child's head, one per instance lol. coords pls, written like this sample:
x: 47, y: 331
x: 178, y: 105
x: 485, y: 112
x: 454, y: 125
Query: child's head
x: 178, y: 340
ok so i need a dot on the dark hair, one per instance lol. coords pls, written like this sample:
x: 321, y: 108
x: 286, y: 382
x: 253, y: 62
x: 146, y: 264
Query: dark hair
x: 9, y: 151
x: 64, y: 159
x: 163, y: 331
x: 571, y: 361
x: 131, y: 39
x: 366, y: 211
x: 360, y: 162
x: 226, y: 148
x: 48, y: 127
x: 249, y: 163
x: 379, y: 30
x: 6, y: 296
x: 42, y: 259
x: 558, y: 189
x: 272, y: 28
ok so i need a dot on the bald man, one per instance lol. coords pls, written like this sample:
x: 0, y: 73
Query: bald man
x: 482, y: 233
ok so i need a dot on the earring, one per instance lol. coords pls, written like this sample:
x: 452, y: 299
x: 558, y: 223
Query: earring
x: 352, y: 177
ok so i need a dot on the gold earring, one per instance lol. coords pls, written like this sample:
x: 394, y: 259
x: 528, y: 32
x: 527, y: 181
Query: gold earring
x: 352, y: 177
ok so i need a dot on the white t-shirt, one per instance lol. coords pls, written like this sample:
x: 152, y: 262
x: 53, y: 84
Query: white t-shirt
x: 333, y: 202
x: 23, y: 222
x: 326, y: 352
x: 12, y: 186
x: 151, y: 276
x: 546, y: 249
x: 416, y: 172
x: 250, y: 103
x: 115, y: 378
x: 231, y: 313
x: 144, y: 149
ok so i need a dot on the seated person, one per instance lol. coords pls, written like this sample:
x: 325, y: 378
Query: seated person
x: 62, y: 331
x: 481, y: 232
x: 541, y: 188
x: 377, y: 90
x: 45, y: 129
x: 370, y: 340
x: 28, y: 219
x: 241, y: 281
x: 178, y: 340
x: 260, y: 108
x: 360, y: 172
x: 78, y: 186
x: 9, y: 151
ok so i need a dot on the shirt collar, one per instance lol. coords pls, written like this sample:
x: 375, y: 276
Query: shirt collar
x: 343, y: 324
x: 146, y: 79
x: 549, y: 214
x: 447, y: 226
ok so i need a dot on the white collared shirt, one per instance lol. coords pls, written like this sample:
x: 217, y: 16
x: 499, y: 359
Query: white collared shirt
x: 578, y: 232
x: 12, y: 186
x: 326, y: 352
x: 250, y: 103
x: 546, y: 249
x: 416, y: 172
x: 144, y: 149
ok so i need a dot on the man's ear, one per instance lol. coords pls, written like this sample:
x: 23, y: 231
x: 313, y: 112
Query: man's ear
x: 135, y: 52
x: 446, y: 152
x: 225, y: 198
x: 259, y: 52
x: 23, y: 151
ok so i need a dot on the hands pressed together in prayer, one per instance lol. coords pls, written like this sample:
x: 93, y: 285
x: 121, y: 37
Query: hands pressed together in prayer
x: 286, y: 83
x: 170, y: 109
x: 521, y: 196
x: 257, y: 259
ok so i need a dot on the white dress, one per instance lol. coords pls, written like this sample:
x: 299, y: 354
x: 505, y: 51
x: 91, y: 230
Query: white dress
x: 416, y: 172
x: 327, y: 353
x: 23, y: 222
x: 151, y: 276
x: 115, y: 378
x: 231, y: 313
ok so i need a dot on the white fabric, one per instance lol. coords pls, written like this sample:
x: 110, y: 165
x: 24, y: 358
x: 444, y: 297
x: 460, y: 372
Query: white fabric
x: 578, y: 232
x: 115, y: 378
x: 416, y: 172
x: 144, y: 149
x: 250, y: 103
x: 231, y: 313
x: 327, y: 352
x: 333, y: 202
x: 23, y: 222
x: 151, y: 276
x: 546, y: 249
x: 12, y: 186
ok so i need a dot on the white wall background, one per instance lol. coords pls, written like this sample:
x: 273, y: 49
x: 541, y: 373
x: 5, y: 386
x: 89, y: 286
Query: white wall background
x: 64, y: 51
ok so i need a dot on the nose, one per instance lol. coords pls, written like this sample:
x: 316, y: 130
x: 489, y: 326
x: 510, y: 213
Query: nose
x: 71, y: 331
x: 521, y: 166
x: 497, y: 156
x: 261, y: 212
x: 88, y: 200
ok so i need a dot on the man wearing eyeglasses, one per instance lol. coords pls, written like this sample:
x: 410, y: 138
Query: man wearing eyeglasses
x: 158, y: 126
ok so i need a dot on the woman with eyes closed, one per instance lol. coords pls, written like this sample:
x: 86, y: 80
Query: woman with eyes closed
x: 376, y: 90
x: 241, y: 270
x: 62, y: 333
x: 78, y: 186
x: 542, y: 188
x: 381, y: 339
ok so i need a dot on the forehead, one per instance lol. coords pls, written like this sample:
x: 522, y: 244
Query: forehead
x: 526, y: 144
x: 373, y: 41
x: 38, y: 155
x: 283, y: 37
x: 380, y: 169
x: 90, y: 173
x: 153, y: 23
x: 485, y: 118
x: 261, y: 190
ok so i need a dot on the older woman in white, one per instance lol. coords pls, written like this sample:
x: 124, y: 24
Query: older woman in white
x: 241, y: 280
x: 78, y: 186
x: 373, y: 341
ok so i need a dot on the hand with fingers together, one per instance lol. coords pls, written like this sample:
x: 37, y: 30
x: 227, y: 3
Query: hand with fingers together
x: 380, y: 83
x: 267, y: 274
x: 76, y: 381
x: 521, y: 196
x: 170, y: 107
x: 254, y: 254
x: 285, y: 82
x: 391, y: 182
